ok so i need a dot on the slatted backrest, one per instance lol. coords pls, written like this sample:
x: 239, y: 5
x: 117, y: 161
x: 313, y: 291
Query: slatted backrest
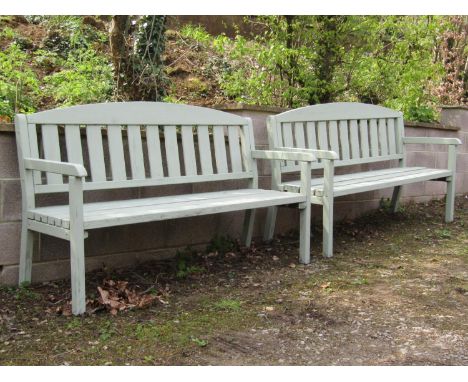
x: 134, y: 144
x: 358, y: 133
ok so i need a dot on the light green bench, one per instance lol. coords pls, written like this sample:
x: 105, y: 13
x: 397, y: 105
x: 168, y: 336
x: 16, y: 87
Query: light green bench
x: 345, y: 134
x: 165, y: 144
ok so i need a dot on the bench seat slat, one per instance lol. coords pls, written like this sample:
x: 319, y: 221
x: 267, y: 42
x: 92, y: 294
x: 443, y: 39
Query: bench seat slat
x: 372, y: 180
x: 114, y: 213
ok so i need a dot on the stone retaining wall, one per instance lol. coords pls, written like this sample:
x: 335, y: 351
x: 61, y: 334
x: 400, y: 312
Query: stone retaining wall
x: 121, y: 246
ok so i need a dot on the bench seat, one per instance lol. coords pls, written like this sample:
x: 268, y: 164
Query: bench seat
x: 121, y: 212
x: 371, y: 180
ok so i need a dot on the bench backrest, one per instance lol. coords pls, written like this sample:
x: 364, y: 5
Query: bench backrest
x: 134, y: 144
x: 358, y: 133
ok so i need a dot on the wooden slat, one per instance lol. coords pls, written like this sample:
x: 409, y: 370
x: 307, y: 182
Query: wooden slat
x: 247, y: 145
x: 391, y: 136
x: 354, y: 137
x: 34, y: 150
x: 344, y: 140
x: 172, y: 150
x: 234, y: 148
x: 288, y: 139
x: 136, y: 152
x: 333, y: 132
x: 96, y: 153
x: 154, y: 151
x: 116, y: 152
x: 51, y: 145
x: 311, y: 136
x: 188, y: 148
x: 322, y: 135
x: 45, y: 189
x: 364, y: 133
x: 220, y: 149
x: 299, y: 135
x: 73, y: 144
x: 374, y: 138
x: 383, y: 137
x: 204, y: 150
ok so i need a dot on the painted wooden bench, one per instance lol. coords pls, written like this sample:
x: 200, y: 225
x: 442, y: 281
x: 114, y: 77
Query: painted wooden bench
x: 344, y: 134
x: 165, y: 144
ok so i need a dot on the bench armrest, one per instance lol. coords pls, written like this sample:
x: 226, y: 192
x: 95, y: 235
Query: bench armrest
x: 321, y: 154
x: 431, y: 140
x: 283, y: 155
x: 63, y: 168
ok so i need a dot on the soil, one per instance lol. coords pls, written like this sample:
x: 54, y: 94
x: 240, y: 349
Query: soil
x: 395, y: 293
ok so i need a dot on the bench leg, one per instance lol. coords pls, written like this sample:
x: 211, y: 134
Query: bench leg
x: 247, y: 231
x: 270, y: 223
x: 77, y: 263
x: 450, y: 201
x: 327, y: 227
x: 304, y: 247
x: 26, y: 252
x: 77, y: 236
x: 395, y: 198
x: 327, y: 201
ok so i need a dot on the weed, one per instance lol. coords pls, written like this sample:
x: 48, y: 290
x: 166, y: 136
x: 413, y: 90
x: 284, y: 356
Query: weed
x: 443, y: 234
x: 360, y: 281
x: 184, y: 268
x: 199, y: 342
x: 222, y: 245
x: 106, y: 331
x: 24, y: 293
x: 74, y: 323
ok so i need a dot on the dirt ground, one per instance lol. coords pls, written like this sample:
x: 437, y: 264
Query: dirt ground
x: 394, y: 294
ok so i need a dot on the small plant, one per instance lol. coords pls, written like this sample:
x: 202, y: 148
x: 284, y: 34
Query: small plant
x: 385, y: 204
x: 360, y: 281
x: 199, y: 342
x: 221, y: 245
x: 184, y: 268
x: 444, y: 234
x: 23, y: 292
x: 106, y: 331
x: 74, y: 323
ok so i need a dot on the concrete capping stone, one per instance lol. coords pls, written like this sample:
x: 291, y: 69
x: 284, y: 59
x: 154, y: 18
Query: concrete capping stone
x: 431, y: 125
x: 247, y: 107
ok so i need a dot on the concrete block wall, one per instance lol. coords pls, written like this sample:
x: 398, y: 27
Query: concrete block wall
x: 127, y: 245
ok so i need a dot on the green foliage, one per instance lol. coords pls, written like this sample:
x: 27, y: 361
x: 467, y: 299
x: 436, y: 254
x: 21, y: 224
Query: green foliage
x: 86, y: 77
x: 300, y: 60
x: 19, y: 85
